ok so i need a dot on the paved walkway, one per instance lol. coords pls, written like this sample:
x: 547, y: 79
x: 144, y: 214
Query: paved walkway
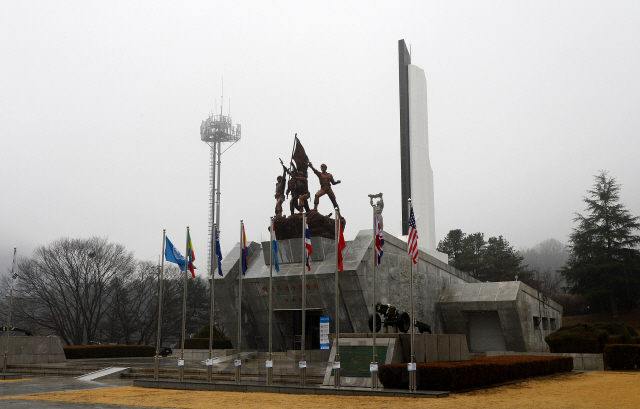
x: 47, y: 385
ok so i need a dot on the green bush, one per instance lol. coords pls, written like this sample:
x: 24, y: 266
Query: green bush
x: 622, y: 356
x: 480, y: 371
x: 108, y: 351
x: 203, y: 343
x: 590, y: 339
x: 204, y: 333
x: 578, y: 338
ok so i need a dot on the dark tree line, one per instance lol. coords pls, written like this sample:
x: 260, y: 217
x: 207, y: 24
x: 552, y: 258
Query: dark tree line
x: 487, y: 260
x: 93, y: 291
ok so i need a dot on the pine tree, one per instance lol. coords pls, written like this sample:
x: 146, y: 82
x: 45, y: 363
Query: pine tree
x: 604, y: 264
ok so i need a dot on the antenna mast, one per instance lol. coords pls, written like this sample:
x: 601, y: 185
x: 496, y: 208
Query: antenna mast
x: 216, y: 130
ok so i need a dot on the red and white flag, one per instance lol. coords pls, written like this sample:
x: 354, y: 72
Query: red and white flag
x: 341, y: 245
x: 413, y: 238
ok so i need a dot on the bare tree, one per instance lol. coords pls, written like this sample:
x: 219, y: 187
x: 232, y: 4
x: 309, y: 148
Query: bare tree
x: 545, y: 259
x: 66, y: 287
x: 132, y: 318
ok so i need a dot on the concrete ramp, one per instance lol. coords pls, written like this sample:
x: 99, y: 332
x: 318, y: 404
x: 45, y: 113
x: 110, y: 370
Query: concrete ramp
x: 231, y: 358
x: 110, y: 372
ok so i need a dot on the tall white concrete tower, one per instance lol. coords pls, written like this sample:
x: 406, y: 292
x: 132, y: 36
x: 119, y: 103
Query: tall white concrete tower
x: 416, y: 173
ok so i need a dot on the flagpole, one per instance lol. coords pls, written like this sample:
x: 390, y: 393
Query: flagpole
x: 156, y: 369
x: 6, y: 350
x: 412, y: 374
x: 184, y: 306
x: 271, y: 256
x: 374, y: 373
x: 240, y: 273
x: 336, y: 370
x: 302, y: 364
x: 212, y: 269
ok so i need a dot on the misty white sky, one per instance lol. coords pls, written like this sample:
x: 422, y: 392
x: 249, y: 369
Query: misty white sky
x: 101, y: 104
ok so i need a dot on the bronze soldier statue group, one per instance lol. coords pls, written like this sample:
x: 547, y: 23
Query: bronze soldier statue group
x: 298, y: 188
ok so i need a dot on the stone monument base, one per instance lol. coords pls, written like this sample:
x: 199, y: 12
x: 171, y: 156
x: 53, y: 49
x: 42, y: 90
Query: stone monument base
x: 319, y: 226
x: 356, y: 352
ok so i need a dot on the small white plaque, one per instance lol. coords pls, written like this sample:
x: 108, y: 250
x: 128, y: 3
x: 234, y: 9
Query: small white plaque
x: 209, y: 362
x: 237, y: 362
x: 302, y: 364
x: 269, y: 364
x: 180, y: 362
x: 336, y: 365
x: 411, y: 366
x: 373, y: 367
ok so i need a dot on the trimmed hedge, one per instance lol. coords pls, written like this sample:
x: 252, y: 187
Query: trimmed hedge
x: 108, y: 351
x: 590, y: 339
x: 203, y: 343
x: 622, y: 356
x: 204, y: 333
x: 480, y: 371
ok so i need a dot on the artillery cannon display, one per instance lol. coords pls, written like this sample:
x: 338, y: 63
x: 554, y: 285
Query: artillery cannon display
x: 392, y: 317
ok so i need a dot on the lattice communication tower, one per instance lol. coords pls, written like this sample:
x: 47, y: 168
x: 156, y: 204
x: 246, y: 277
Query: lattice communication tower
x: 216, y: 130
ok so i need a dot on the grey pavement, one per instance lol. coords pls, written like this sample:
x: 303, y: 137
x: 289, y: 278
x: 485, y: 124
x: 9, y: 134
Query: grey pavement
x: 48, y: 385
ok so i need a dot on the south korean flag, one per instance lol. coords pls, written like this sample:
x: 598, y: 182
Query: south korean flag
x: 14, y: 270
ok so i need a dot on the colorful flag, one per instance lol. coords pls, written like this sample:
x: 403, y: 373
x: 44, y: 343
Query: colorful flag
x: 190, y: 255
x: 172, y: 255
x: 274, y: 246
x: 307, y: 245
x: 14, y: 270
x: 218, y: 253
x: 412, y: 243
x: 379, y: 242
x: 341, y: 246
x: 245, y: 257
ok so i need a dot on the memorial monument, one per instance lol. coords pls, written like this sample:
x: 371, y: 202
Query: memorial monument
x: 446, y: 301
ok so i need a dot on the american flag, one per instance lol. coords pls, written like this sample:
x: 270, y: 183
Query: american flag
x: 307, y: 245
x: 379, y: 241
x: 413, y: 238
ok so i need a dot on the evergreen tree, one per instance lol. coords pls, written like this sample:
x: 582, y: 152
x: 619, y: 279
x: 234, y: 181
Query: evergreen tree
x: 603, y: 260
x: 493, y: 260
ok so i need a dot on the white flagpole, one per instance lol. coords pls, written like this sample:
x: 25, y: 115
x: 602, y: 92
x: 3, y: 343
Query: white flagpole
x: 412, y: 374
x: 303, y: 363
x: 374, y: 363
x: 336, y: 371
x: 156, y: 369
x: 240, y: 273
x: 6, y: 350
x: 184, y: 305
x: 214, y: 240
x: 270, y: 367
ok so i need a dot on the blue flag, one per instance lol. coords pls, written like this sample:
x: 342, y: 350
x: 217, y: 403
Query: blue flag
x: 274, y: 246
x: 172, y: 255
x: 218, y: 253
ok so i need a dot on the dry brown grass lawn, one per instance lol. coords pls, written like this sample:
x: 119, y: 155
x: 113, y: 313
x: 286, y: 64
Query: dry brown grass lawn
x: 588, y: 390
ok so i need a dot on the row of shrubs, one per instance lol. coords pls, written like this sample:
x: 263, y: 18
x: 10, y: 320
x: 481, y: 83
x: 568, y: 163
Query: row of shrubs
x: 480, y: 371
x: 590, y: 339
x: 201, y: 340
x: 203, y: 343
x: 622, y: 356
x: 108, y: 351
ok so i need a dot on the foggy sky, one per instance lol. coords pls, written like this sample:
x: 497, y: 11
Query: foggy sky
x: 101, y: 104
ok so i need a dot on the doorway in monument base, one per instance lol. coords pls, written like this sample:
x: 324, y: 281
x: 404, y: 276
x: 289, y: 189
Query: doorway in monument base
x: 485, y: 332
x: 289, y: 324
